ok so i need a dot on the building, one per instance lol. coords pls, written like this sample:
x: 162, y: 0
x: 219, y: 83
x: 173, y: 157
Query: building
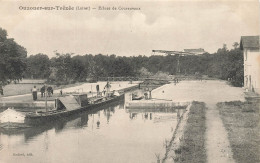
x: 250, y: 46
x: 195, y: 51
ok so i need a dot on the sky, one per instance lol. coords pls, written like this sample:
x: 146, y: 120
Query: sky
x: 158, y: 25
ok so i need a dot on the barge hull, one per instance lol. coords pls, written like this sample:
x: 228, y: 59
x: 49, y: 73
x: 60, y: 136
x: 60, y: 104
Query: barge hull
x: 37, y: 120
x: 13, y: 125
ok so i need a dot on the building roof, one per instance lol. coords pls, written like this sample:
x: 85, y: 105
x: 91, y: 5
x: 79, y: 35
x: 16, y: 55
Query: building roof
x: 249, y: 42
x: 197, y: 51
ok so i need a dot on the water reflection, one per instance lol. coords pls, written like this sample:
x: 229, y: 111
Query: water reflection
x: 159, y: 114
x: 107, y: 134
x: 79, y: 120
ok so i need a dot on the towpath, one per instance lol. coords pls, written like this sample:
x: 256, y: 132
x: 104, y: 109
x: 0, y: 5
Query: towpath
x: 86, y: 88
x: 210, y: 92
x: 218, y: 147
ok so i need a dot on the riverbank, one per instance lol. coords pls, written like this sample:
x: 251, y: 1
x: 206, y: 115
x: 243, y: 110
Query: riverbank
x: 188, y: 141
x: 25, y: 100
x: 241, y: 120
x: 24, y: 88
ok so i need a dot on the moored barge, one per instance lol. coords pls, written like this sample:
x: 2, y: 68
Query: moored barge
x: 64, y: 107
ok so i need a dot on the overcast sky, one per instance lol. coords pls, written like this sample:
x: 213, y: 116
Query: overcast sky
x: 164, y: 25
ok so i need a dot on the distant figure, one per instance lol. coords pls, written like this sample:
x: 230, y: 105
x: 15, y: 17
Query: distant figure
x: 146, y: 115
x: 97, y: 88
x: 61, y: 91
x: 146, y: 95
x: 1, y: 90
x: 50, y: 91
x: 98, y: 123
x: 107, y: 88
x: 34, y: 93
x: 43, y: 91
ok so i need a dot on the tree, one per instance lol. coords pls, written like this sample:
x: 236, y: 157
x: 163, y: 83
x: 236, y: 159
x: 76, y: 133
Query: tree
x: 223, y: 50
x: 161, y: 75
x: 144, y: 72
x: 235, y: 45
x: 121, y: 67
x: 63, y: 66
x: 79, y: 69
x: 225, y: 46
x: 13, y: 59
x: 38, y: 66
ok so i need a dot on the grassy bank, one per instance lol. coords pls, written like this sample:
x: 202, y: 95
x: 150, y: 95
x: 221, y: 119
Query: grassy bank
x: 192, y: 147
x: 18, y: 89
x: 241, y: 120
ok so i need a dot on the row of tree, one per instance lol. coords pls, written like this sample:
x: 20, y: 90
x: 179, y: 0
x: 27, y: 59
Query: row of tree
x: 224, y: 64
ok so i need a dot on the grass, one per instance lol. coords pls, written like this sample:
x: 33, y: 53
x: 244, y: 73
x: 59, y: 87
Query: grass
x: 192, y: 147
x: 18, y: 89
x: 241, y: 120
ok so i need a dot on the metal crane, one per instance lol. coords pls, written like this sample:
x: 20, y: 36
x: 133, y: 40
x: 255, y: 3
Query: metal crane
x: 177, y: 53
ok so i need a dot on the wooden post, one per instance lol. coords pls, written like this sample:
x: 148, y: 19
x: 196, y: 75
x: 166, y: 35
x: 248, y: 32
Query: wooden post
x: 46, y: 99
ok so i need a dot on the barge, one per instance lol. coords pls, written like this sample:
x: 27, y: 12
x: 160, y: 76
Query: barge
x: 64, y: 107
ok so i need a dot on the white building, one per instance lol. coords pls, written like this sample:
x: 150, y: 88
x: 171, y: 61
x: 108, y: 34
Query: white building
x: 250, y: 46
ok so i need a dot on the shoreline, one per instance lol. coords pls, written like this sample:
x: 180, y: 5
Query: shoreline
x: 184, y: 145
x: 177, y: 134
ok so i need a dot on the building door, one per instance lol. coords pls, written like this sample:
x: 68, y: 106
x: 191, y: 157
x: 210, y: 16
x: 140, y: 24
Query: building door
x: 246, y: 82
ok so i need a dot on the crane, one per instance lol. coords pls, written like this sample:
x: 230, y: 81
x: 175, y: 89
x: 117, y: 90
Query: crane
x: 177, y: 53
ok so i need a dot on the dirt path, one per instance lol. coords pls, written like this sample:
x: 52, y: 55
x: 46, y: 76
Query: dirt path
x: 210, y: 92
x: 217, y: 143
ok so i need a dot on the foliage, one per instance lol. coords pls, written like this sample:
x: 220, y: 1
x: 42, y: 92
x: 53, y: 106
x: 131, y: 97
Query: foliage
x: 62, y: 64
x: 224, y: 64
x: 192, y: 146
x: 13, y: 59
x: 38, y: 66
x: 144, y: 72
x: 161, y: 75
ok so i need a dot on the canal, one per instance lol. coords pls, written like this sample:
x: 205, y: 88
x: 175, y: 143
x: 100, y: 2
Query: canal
x: 111, y: 133
x: 108, y: 134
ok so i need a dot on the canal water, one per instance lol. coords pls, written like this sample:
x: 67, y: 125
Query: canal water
x: 112, y: 133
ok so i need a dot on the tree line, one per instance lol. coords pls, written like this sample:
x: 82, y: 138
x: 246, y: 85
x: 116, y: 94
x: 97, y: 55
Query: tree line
x: 224, y: 64
x: 68, y: 68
